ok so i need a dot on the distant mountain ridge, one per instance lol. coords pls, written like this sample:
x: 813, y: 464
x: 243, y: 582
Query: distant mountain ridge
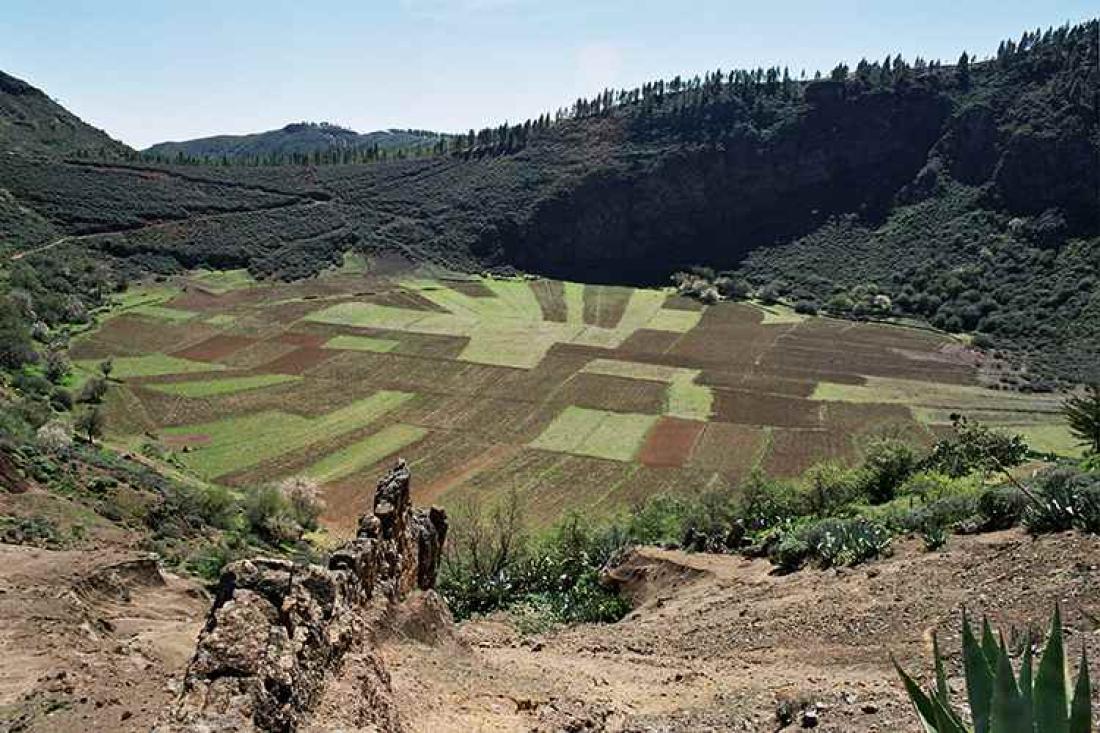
x: 294, y: 139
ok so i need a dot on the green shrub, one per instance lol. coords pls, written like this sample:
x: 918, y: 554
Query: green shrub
x: 767, y: 502
x: 829, y: 487
x: 270, y: 515
x: 831, y: 542
x: 888, y: 465
x: 1002, y: 508
x: 975, y: 448
x: 934, y: 537
x: 1036, y: 701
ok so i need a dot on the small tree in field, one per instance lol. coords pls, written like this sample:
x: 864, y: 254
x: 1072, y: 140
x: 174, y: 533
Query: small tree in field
x: 1083, y: 415
x: 91, y: 423
x: 106, y: 367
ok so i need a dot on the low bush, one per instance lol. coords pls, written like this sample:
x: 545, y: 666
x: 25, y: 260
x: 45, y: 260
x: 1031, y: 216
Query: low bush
x: 830, y: 543
x: 1002, y: 508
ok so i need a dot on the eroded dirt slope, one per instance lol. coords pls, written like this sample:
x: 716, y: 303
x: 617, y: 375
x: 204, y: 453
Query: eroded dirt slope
x: 719, y: 643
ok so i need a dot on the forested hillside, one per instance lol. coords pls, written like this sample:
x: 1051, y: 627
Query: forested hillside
x: 299, y: 142
x: 965, y: 194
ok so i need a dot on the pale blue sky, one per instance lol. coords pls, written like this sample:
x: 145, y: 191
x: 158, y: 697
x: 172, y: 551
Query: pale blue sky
x: 153, y: 70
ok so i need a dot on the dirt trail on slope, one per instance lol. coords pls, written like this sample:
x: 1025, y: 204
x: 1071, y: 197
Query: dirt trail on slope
x: 718, y: 642
x: 91, y: 640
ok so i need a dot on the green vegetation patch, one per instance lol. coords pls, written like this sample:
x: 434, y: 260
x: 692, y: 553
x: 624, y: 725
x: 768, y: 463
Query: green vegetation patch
x: 366, y: 452
x: 235, y: 443
x: 222, y: 319
x: 368, y: 315
x: 687, y: 399
x: 615, y: 436
x: 223, y: 281
x: 362, y: 343
x: 211, y: 387
x: 677, y: 321
x: 150, y: 365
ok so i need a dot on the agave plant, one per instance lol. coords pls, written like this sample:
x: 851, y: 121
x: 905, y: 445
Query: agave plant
x: 1001, y: 702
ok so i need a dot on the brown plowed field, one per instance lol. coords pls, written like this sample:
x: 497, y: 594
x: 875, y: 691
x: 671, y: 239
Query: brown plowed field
x: 731, y: 450
x: 131, y: 336
x: 472, y: 288
x: 297, y: 338
x: 215, y: 348
x: 604, y: 305
x: 617, y: 394
x: 791, y: 452
x: 551, y: 297
x: 683, y: 303
x: 670, y: 442
x: 755, y: 408
x: 300, y: 360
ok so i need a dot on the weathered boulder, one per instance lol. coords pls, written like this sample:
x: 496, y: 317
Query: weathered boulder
x: 278, y: 629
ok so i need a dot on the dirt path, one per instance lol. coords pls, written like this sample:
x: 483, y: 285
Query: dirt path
x: 91, y: 640
x: 718, y: 642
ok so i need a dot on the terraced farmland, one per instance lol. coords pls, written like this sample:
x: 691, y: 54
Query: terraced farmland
x: 580, y: 396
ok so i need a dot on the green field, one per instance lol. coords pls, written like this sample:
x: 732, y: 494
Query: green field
x: 151, y: 365
x: 362, y: 343
x: 235, y: 443
x: 364, y: 453
x: 597, y: 433
x: 213, y: 387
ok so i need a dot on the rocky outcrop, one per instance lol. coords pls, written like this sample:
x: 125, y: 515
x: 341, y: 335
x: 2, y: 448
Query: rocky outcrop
x: 278, y: 629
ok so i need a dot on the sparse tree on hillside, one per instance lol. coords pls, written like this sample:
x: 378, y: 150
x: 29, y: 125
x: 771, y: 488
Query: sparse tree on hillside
x: 106, y: 367
x: 1083, y: 415
x: 91, y: 423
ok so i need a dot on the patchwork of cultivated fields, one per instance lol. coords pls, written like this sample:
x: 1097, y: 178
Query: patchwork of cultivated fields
x: 580, y: 396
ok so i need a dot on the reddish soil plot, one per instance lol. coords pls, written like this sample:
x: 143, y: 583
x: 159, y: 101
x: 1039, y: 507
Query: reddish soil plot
x: 682, y: 303
x: 470, y: 288
x: 731, y: 450
x: 300, y: 360
x: 791, y: 452
x: 540, y: 383
x: 287, y: 313
x: 671, y: 442
x: 551, y: 297
x: 517, y: 472
x: 214, y: 348
x: 618, y: 394
x: 196, y: 299
x: 753, y: 408
x: 604, y: 305
x: 731, y: 314
x: 297, y: 338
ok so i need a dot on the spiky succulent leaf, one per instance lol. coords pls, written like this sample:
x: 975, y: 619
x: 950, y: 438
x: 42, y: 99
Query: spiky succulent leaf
x: 1051, y: 702
x: 1026, y: 682
x: 989, y: 644
x: 979, y: 678
x: 926, y: 710
x: 1008, y: 713
x: 1080, y: 716
x: 941, y: 676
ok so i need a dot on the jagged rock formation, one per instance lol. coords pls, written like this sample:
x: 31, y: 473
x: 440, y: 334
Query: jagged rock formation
x: 278, y: 629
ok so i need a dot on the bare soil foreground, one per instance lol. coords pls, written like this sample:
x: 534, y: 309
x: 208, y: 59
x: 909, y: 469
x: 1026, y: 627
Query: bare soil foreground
x: 94, y: 642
